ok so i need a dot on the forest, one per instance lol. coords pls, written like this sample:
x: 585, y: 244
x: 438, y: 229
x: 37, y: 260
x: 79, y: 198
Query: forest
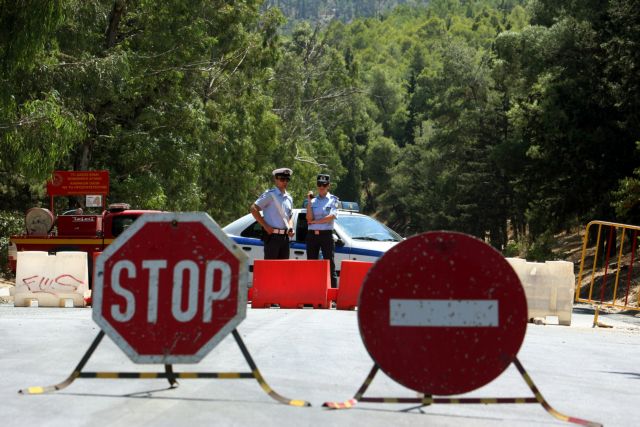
x: 510, y: 120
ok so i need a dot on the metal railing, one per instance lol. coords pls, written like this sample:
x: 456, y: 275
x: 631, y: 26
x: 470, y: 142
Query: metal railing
x: 607, y: 275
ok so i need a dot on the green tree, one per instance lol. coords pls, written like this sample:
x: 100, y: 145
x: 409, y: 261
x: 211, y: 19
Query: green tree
x: 36, y: 127
x: 167, y: 98
x: 568, y: 117
x: 325, y: 119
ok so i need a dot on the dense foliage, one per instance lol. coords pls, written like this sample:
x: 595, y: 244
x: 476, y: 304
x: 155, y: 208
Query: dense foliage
x: 497, y: 118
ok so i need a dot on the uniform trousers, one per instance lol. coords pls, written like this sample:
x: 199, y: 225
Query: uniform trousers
x: 276, y: 246
x: 322, y: 241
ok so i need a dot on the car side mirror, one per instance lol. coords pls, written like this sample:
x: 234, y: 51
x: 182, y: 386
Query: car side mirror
x: 337, y: 240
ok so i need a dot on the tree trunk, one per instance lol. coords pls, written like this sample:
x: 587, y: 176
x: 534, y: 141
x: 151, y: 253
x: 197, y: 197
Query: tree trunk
x: 118, y: 10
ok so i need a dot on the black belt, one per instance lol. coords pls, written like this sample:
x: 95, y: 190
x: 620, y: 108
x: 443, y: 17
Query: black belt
x: 317, y: 232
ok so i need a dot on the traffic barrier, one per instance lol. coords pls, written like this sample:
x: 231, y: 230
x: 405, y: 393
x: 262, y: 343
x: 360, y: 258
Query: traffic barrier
x: 332, y: 296
x: 290, y: 283
x: 432, y: 288
x: 92, y: 272
x: 609, y: 251
x: 548, y: 286
x: 352, y: 274
x: 150, y: 323
x: 44, y: 280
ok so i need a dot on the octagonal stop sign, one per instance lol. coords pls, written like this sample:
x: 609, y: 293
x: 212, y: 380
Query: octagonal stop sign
x: 442, y: 313
x: 170, y: 288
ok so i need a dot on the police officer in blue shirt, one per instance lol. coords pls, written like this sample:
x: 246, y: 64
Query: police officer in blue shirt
x: 277, y: 222
x: 321, y: 214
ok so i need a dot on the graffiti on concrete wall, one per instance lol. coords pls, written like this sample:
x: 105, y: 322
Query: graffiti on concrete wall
x: 63, y: 283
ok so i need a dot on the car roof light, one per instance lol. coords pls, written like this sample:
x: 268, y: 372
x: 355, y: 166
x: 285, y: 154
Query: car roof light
x: 349, y: 206
x: 118, y: 207
x: 345, y: 206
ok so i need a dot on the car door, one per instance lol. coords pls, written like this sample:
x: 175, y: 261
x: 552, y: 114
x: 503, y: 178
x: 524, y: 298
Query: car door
x: 250, y: 241
x: 342, y: 249
x: 298, y: 246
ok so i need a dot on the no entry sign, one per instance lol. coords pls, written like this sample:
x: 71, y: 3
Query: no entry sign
x: 442, y: 313
x: 170, y: 288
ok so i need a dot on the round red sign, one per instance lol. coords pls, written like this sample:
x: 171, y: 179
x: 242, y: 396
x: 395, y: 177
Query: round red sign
x: 170, y: 288
x: 442, y: 313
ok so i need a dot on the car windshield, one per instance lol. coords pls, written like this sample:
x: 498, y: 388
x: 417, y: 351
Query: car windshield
x: 366, y: 228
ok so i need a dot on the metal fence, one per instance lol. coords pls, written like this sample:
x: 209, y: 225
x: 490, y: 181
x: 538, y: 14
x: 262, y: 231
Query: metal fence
x: 608, y: 274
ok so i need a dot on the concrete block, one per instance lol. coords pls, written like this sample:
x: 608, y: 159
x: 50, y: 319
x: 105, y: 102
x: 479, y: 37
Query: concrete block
x: 59, y: 280
x: 549, y: 287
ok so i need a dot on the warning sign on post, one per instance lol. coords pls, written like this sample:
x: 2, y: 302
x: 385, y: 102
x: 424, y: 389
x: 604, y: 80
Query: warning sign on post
x: 69, y: 183
x: 442, y: 313
x: 93, y: 201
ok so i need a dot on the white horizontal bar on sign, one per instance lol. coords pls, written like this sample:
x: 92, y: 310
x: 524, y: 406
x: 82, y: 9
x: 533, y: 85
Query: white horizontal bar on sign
x: 438, y: 313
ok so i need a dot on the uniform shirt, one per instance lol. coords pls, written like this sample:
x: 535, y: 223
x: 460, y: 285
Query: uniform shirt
x: 271, y: 212
x: 322, y: 207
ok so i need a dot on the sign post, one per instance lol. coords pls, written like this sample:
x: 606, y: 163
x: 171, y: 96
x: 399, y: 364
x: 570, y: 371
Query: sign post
x: 451, y: 322
x: 443, y: 313
x: 166, y: 291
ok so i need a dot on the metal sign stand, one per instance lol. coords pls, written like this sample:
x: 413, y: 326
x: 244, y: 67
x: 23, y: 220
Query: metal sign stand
x: 444, y: 287
x: 168, y: 373
x: 429, y: 399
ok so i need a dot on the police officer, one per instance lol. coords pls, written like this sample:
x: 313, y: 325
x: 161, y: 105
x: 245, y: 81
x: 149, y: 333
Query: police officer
x: 321, y: 214
x: 277, y: 221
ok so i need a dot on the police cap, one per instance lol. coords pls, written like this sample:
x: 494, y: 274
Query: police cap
x: 323, y: 179
x: 282, y: 173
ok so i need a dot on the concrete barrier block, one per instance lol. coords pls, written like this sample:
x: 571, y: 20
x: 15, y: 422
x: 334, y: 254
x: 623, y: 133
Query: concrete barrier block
x: 548, y: 286
x: 60, y: 280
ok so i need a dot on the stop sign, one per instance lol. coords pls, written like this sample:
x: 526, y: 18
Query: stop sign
x: 442, y: 313
x: 170, y: 288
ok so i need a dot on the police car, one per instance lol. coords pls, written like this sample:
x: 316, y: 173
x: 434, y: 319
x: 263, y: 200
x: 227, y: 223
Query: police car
x: 358, y: 237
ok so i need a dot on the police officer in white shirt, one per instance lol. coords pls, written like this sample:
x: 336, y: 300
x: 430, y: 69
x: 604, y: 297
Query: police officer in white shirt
x: 277, y: 222
x: 322, y: 211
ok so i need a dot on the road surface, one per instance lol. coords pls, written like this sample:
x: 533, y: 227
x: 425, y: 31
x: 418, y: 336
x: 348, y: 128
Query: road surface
x: 315, y: 355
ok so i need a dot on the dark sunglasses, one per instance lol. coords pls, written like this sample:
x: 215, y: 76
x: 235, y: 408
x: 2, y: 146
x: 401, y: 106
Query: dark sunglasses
x: 323, y: 184
x: 283, y: 178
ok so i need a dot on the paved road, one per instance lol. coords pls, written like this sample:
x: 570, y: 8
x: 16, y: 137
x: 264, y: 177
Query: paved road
x: 316, y: 355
